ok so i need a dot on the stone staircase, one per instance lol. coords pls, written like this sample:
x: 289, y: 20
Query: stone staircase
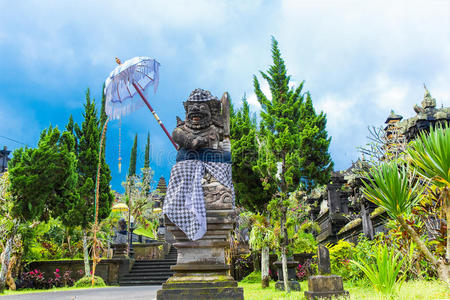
x: 150, y: 272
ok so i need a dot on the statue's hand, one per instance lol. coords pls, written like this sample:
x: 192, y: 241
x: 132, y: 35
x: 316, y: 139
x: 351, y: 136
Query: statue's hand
x: 199, y: 142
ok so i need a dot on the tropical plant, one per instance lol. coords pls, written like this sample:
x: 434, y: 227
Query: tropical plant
x: 396, y: 189
x: 262, y: 238
x: 383, y: 273
x: 430, y: 156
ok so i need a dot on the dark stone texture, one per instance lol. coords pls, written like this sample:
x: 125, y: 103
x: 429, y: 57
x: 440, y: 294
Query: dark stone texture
x: 224, y: 290
x: 325, y: 295
x: 291, y: 265
x: 367, y: 225
x: 323, y: 260
x: 325, y: 287
x: 119, y: 250
x: 293, y: 285
x: 320, y: 283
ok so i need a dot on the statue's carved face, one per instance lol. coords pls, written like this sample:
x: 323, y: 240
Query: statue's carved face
x: 198, y: 115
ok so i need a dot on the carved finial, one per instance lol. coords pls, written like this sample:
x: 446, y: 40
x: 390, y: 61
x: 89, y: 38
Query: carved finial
x: 428, y: 101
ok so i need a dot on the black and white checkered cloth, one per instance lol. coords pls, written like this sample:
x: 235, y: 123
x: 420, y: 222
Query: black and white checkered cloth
x: 184, y: 204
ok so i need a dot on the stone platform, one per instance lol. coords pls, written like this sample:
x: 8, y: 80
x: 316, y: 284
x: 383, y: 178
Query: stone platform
x: 325, y: 287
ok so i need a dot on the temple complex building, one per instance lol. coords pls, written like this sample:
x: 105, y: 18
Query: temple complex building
x: 339, y: 208
x: 160, y: 192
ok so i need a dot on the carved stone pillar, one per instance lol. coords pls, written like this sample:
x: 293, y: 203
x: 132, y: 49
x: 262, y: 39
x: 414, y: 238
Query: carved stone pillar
x: 201, y: 271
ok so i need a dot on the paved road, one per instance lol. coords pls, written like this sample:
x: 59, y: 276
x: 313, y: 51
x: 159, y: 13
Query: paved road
x: 109, y: 293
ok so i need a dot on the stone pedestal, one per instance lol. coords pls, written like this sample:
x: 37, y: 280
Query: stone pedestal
x: 201, y: 271
x: 325, y: 286
x: 119, y: 251
x: 292, y: 282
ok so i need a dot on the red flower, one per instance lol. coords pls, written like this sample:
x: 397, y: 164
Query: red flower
x: 57, y: 270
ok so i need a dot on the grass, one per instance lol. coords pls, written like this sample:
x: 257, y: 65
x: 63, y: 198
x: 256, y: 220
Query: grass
x: 29, y: 291
x: 411, y: 290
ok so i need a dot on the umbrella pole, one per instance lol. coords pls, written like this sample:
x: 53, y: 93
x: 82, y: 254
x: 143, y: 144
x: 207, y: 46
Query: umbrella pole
x: 155, y: 115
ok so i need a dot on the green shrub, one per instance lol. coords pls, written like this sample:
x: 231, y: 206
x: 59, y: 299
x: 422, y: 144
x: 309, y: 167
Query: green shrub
x: 304, y: 242
x: 253, y: 277
x: 87, y: 282
x: 343, y: 252
x: 383, y: 273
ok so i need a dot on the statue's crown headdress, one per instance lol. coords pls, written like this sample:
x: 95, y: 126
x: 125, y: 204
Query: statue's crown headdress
x: 200, y: 95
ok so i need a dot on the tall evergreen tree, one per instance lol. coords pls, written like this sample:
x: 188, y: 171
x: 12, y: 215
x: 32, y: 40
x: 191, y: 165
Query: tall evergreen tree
x: 43, y: 180
x: 244, y: 147
x: 317, y: 164
x: 288, y: 123
x: 133, y: 156
x: 248, y: 187
x: 88, y: 138
x: 146, y: 170
x: 147, y: 152
x: 43, y: 184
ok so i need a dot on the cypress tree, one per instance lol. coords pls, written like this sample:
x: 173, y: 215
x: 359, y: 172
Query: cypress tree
x: 147, y: 173
x: 133, y: 156
x: 244, y: 147
x: 88, y: 138
x: 43, y: 180
x: 147, y: 153
x: 288, y: 123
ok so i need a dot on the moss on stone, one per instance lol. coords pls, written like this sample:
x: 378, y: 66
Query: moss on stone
x: 377, y: 211
x: 350, y: 225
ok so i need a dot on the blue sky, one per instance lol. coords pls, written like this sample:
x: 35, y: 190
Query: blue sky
x: 359, y: 60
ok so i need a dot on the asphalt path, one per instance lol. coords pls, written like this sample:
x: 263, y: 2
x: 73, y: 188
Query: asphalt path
x: 108, y: 293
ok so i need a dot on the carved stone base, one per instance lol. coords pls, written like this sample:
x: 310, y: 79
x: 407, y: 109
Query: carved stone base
x: 201, y: 271
x: 325, y: 287
x: 223, y: 290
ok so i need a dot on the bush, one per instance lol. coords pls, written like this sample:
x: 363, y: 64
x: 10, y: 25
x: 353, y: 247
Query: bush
x: 304, y: 242
x: 253, y: 277
x: 243, y: 265
x: 309, y: 268
x: 343, y: 252
x: 36, y: 279
x: 87, y: 282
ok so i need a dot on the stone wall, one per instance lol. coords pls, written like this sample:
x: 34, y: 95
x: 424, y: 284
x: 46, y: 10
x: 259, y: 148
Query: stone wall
x: 149, y: 251
x: 108, y: 269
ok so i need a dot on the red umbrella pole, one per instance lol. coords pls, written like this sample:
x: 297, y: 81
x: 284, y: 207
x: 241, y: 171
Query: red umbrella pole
x: 155, y: 115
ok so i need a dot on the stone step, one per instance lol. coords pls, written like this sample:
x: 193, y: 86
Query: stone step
x: 151, y: 261
x: 159, y: 262
x: 145, y: 278
x: 143, y: 282
x: 150, y: 270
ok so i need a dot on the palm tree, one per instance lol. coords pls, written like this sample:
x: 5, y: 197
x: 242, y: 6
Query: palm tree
x: 430, y: 156
x: 394, y: 188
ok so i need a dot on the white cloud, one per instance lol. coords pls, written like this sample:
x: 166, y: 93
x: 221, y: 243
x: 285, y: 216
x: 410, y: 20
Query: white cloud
x: 359, y: 59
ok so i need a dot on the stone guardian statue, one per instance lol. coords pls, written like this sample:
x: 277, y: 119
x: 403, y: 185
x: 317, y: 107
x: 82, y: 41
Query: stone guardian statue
x: 199, y: 204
